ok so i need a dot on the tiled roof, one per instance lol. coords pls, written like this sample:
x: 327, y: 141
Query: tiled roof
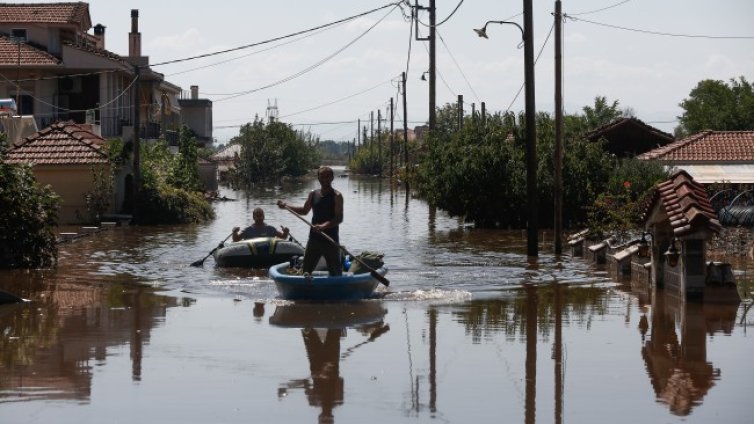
x: 64, y: 143
x: 30, y: 55
x: 728, y: 146
x: 686, y: 204
x: 48, y: 13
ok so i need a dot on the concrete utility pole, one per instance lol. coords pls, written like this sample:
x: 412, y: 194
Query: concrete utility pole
x: 532, y: 242
x: 558, y: 159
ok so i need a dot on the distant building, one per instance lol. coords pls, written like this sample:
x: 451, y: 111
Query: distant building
x: 628, y: 137
x: 710, y: 156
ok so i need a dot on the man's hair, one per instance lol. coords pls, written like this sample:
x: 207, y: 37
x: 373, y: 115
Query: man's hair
x: 325, y: 169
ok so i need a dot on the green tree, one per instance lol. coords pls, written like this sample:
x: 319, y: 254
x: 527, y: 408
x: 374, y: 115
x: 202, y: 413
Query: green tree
x: 601, y: 113
x: 27, y: 217
x: 272, y: 150
x: 184, y: 172
x: 715, y: 105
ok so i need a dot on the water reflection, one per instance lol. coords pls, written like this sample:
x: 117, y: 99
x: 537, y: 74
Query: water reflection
x: 322, y: 328
x: 50, y: 342
x: 676, y: 352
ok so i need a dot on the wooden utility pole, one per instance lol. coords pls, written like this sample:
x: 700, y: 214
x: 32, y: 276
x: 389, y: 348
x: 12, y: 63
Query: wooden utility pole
x: 460, y: 111
x: 371, y: 129
x: 405, y: 132
x: 358, y: 131
x: 392, y: 136
x: 532, y: 242
x: 558, y: 159
x: 432, y: 69
x: 483, y: 112
x: 379, y: 140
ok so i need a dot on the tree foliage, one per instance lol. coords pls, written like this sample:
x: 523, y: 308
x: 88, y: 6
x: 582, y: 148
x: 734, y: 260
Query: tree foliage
x: 478, y: 171
x: 162, y: 198
x: 271, y: 150
x: 715, y: 105
x: 27, y: 217
x: 184, y: 171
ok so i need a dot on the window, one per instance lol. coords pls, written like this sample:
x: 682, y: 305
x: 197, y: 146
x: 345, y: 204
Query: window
x: 18, y: 35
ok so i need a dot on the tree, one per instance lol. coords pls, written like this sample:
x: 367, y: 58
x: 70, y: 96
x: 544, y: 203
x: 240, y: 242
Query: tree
x: 185, y: 168
x: 715, y: 105
x: 272, y: 150
x: 602, y: 113
x: 27, y: 217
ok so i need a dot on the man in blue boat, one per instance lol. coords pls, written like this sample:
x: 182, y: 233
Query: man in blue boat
x: 327, y: 204
x: 259, y: 228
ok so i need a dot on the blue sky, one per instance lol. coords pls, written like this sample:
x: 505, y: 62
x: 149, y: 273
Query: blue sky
x: 334, y: 77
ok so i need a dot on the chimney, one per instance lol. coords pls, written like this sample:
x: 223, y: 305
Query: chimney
x: 134, y: 37
x: 99, y: 34
x: 194, y: 92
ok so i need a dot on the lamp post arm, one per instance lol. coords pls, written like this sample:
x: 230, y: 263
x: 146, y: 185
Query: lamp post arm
x: 520, y: 28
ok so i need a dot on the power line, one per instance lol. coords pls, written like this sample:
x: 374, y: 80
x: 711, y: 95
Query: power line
x: 458, y: 66
x: 451, y: 14
x: 350, y: 18
x: 335, y: 101
x: 310, y: 68
x: 666, y: 34
x: 535, y: 62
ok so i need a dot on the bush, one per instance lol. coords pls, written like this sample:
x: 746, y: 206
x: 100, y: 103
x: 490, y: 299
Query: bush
x: 27, y: 218
x: 170, y: 205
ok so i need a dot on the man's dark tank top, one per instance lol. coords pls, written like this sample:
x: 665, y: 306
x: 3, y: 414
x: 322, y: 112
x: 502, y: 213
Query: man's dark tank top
x: 323, y: 208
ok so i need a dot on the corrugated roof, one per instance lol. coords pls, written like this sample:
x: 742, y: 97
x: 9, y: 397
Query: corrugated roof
x: 686, y: 204
x: 49, y: 13
x: 718, y: 146
x: 64, y: 143
x: 30, y: 55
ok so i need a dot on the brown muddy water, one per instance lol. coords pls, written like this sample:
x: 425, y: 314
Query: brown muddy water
x: 125, y: 331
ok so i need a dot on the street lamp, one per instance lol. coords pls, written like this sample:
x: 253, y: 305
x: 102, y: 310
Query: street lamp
x: 532, y: 228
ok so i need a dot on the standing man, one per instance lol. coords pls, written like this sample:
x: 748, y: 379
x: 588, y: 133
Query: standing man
x: 327, y: 204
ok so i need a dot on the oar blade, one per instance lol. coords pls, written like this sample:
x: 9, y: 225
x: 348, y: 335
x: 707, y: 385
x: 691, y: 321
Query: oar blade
x: 198, y: 263
x: 380, y: 278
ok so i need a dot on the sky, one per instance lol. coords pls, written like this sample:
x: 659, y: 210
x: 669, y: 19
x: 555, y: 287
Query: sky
x: 646, y: 54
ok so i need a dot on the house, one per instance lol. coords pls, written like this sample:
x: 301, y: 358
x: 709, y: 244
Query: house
x: 226, y: 159
x: 57, y: 70
x: 628, y: 137
x: 64, y: 156
x: 710, y: 156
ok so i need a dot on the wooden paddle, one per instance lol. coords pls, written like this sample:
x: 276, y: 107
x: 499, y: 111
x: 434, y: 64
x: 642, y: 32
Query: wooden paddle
x: 200, y: 262
x: 371, y: 270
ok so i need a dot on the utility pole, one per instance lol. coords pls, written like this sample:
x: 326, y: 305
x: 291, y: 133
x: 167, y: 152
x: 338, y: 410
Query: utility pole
x: 379, y: 141
x: 432, y: 69
x: 371, y: 129
x: 358, y: 130
x: 405, y: 131
x: 460, y: 111
x: 558, y: 189
x: 483, y: 112
x: 392, y: 136
x: 532, y: 244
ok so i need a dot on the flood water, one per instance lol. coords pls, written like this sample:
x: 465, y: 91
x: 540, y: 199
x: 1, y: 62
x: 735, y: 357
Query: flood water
x: 125, y: 331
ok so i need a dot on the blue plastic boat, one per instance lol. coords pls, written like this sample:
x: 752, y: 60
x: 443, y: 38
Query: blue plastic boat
x: 321, y: 286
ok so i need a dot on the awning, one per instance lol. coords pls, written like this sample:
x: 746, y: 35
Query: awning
x: 712, y: 173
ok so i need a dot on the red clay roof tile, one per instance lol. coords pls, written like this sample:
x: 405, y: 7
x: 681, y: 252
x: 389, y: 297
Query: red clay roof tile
x: 50, y: 13
x: 686, y: 204
x: 30, y: 55
x: 64, y: 143
x: 728, y: 146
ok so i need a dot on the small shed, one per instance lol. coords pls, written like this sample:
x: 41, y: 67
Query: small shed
x: 680, y: 220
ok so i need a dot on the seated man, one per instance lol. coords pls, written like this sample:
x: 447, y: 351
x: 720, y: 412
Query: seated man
x: 258, y: 229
